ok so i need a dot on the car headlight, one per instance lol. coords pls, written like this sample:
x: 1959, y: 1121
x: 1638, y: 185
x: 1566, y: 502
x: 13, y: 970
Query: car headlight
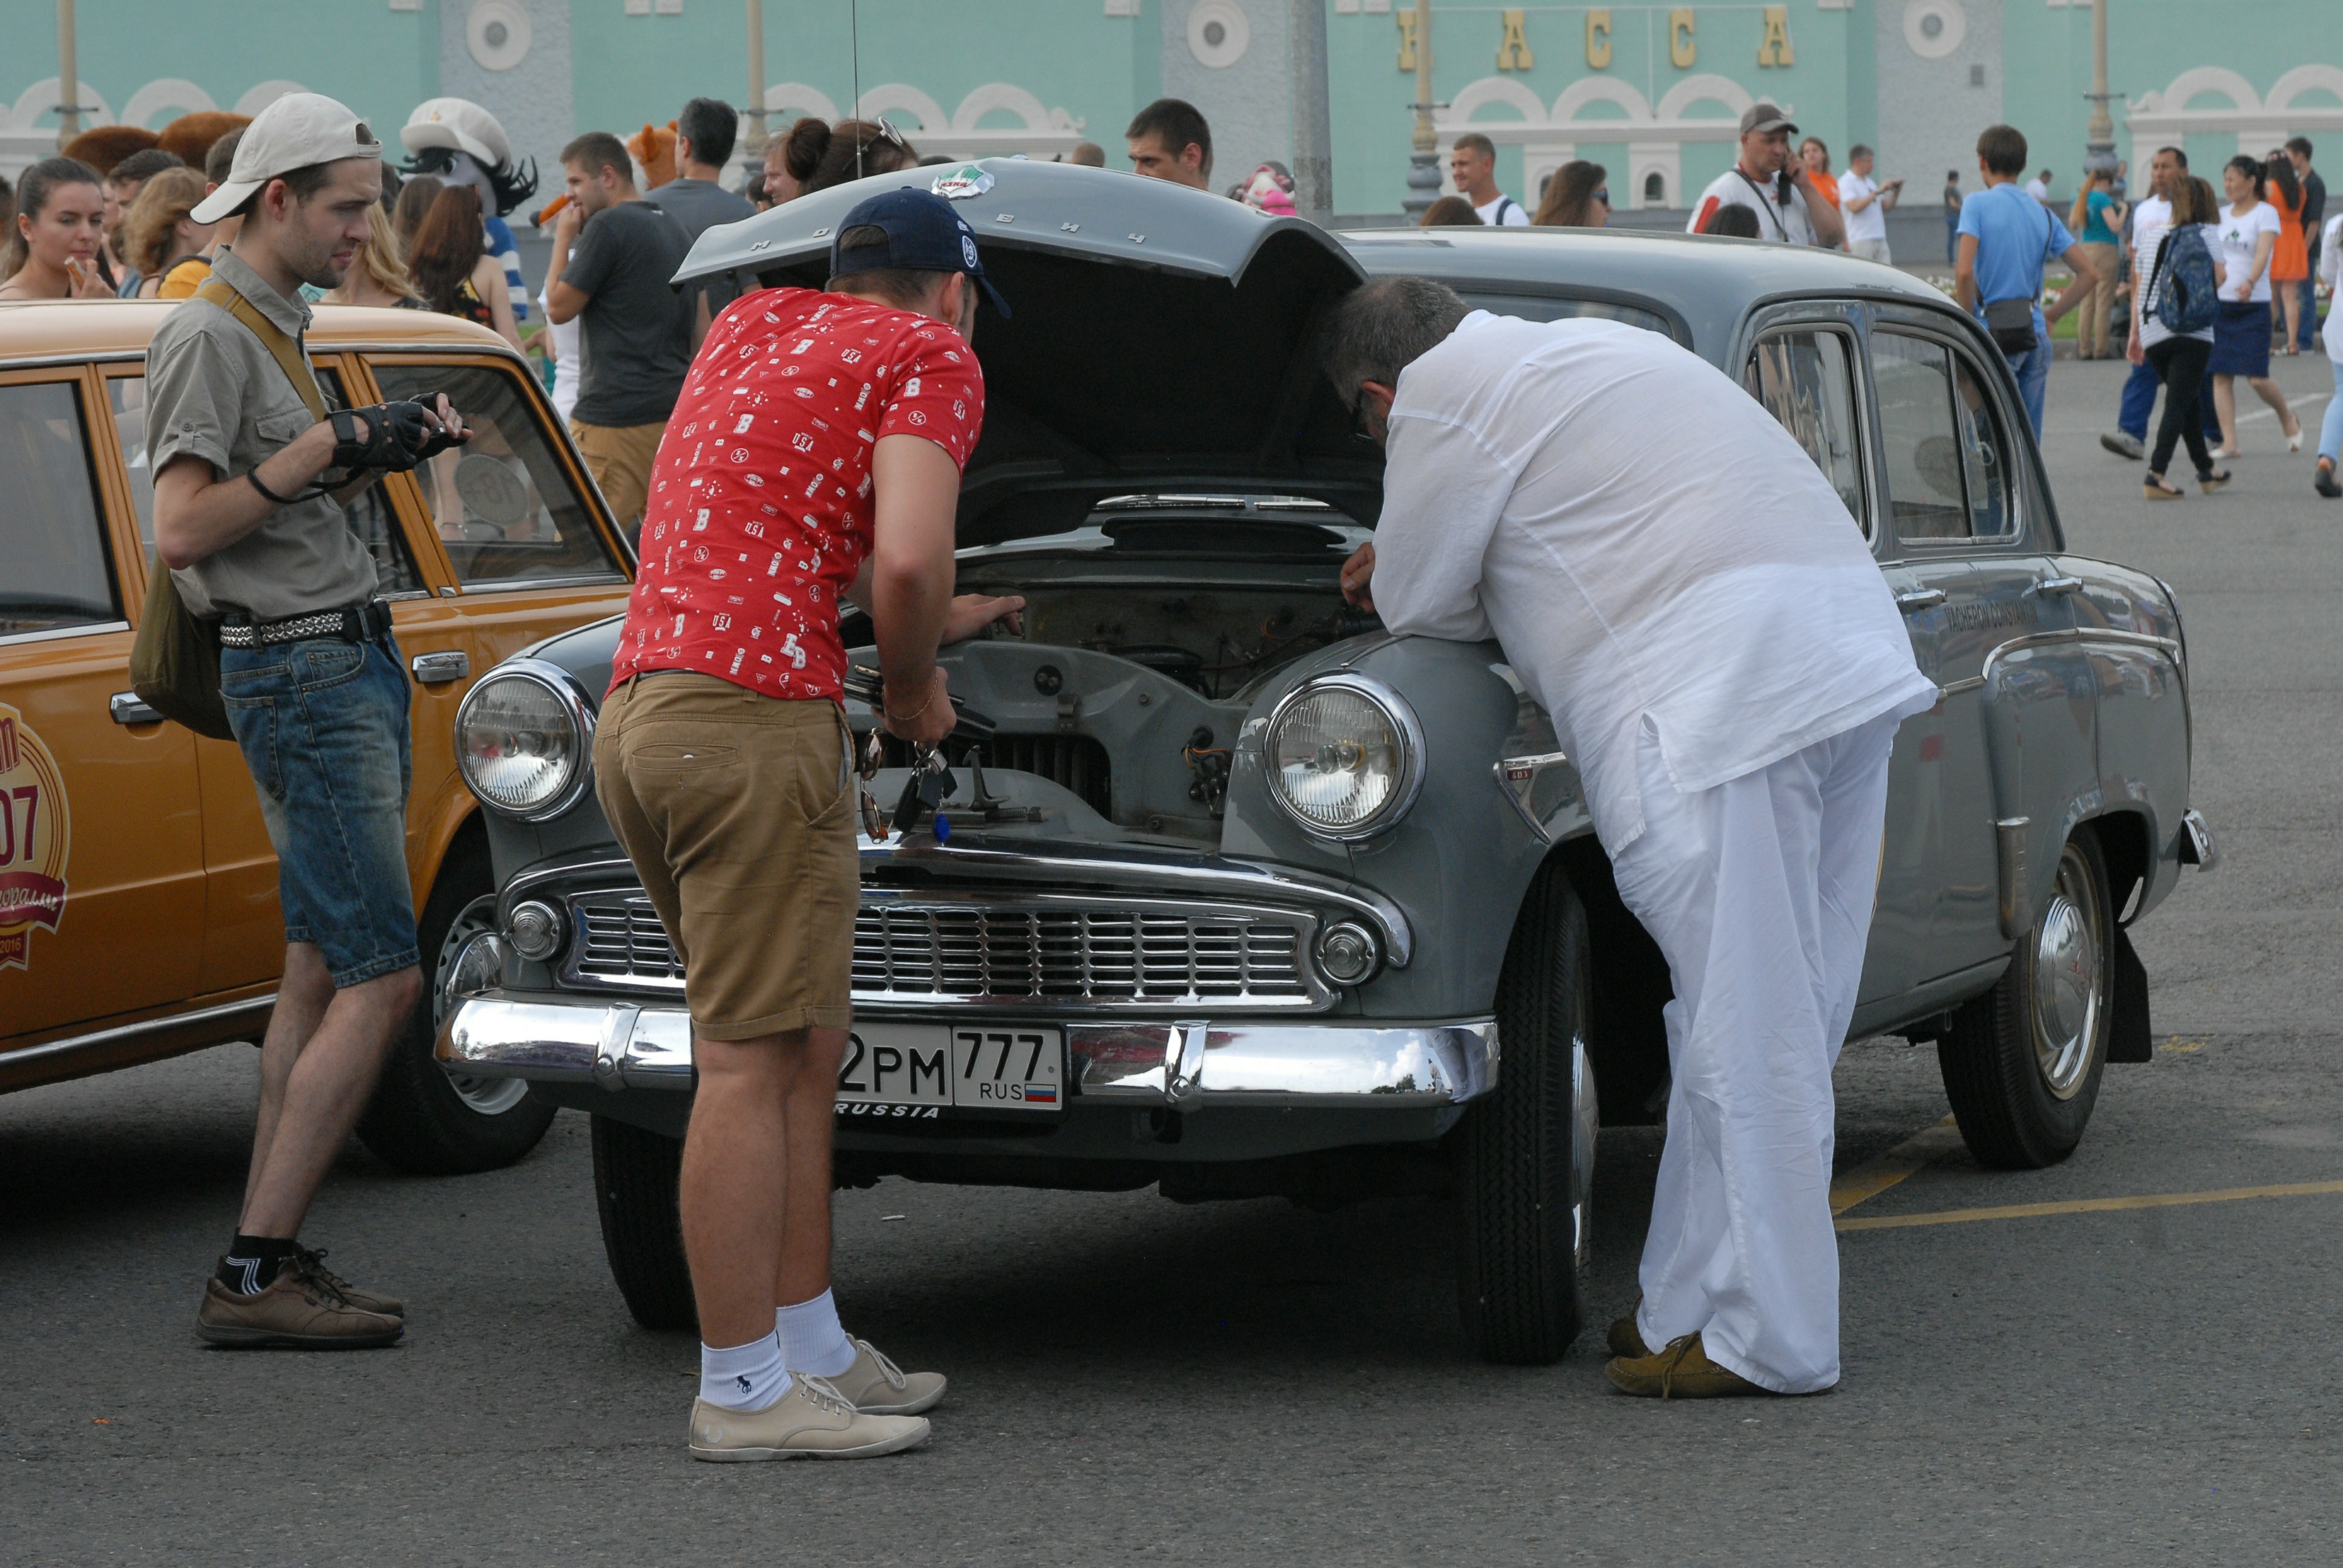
x: 524, y: 738
x: 1344, y: 756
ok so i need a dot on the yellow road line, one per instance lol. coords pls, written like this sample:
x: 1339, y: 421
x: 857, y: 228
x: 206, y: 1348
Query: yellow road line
x: 1875, y: 1176
x: 2089, y: 1206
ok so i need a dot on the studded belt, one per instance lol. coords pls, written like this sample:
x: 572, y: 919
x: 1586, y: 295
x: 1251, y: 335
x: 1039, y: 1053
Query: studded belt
x: 361, y: 622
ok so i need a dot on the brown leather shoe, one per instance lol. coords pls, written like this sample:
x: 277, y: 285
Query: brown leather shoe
x: 364, y: 1301
x: 1626, y: 1340
x: 1680, y: 1371
x: 298, y: 1311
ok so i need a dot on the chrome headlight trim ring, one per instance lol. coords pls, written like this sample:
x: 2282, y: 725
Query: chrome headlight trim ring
x: 576, y: 704
x: 1411, y: 750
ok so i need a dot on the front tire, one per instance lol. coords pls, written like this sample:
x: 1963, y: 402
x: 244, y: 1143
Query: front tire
x: 634, y: 1176
x: 421, y: 1121
x: 2022, y: 1063
x: 1527, y: 1149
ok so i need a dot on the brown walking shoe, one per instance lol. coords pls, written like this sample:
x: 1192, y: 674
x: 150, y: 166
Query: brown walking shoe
x: 1626, y: 1340
x: 364, y: 1301
x: 812, y: 1421
x: 298, y: 1311
x: 877, y: 1386
x: 1680, y: 1371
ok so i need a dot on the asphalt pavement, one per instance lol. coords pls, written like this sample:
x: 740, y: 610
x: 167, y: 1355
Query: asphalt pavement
x: 1136, y: 1381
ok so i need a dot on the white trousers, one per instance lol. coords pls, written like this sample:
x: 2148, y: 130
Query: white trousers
x: 1759, y: 892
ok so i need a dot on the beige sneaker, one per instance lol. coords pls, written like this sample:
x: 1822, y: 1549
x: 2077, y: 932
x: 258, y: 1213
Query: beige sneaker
x: 297, y: 1312
x: 876, y: 1386
x: 812, y: 1421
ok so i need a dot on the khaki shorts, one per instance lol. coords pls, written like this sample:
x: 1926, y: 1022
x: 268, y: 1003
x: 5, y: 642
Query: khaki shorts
x: 619, y: 459
x: 737, y: 811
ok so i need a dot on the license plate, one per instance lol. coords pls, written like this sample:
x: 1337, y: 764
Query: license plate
x: 907, y: 1070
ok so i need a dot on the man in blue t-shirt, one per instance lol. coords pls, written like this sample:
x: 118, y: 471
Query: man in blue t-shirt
x: 2006, y: 238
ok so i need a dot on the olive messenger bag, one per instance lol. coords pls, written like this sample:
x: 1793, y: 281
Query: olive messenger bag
x: 175, y: 665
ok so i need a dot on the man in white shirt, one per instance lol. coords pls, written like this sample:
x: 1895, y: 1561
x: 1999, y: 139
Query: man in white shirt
x: 1766, y: 178
x: 1729, y: 673
x: 1472, y: 164
x: 2149, y: 217
x: 1865, y: 207
x: 2038, y: 187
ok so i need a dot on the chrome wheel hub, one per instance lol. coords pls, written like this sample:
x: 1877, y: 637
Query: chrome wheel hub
x: 2069, y: 979
x: 487, y: 1096
x: 1584, y: 1119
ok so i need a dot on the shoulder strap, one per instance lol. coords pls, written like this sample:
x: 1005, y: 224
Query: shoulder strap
x: 218, y: 291
x: 1764, y: 205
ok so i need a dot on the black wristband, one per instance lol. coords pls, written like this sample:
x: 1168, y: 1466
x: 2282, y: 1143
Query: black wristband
x: 253, y: 475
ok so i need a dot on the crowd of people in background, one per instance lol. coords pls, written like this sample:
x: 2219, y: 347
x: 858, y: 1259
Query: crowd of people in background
x: 113, y: 217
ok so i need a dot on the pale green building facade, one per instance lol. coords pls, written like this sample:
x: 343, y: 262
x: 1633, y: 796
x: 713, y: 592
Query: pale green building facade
x: 1651, y: 92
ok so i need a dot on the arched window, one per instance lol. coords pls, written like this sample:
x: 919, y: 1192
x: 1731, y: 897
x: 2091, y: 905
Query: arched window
x: 1656, y: 190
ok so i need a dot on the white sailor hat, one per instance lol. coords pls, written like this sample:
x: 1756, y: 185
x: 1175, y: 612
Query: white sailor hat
x: 460, y: 123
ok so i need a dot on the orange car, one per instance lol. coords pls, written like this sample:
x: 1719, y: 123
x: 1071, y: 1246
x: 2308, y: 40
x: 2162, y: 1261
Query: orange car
x: 138, y: 913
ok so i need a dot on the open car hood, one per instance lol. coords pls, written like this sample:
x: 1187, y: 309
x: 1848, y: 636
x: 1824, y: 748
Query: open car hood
x: 1160, y: 339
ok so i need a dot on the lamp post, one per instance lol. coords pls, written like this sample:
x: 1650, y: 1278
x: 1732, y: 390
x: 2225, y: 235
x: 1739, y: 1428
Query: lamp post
x: 1314, y: 170
x: 68, y: 77
x: 752, y: 146
x: 1423, y: 163
x: 2099, y: 136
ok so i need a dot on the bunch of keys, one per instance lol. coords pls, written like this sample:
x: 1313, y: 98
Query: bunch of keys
x: 925, y: 791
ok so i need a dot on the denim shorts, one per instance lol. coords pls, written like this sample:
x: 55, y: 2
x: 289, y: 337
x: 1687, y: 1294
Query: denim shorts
x: 323, y: 727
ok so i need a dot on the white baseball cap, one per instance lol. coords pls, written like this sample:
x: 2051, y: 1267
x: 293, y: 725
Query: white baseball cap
x: 460, y: 124
x: 296, y: 131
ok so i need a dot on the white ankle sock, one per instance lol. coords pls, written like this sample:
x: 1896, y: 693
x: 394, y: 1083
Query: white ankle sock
x: 744, y: 1377
x: 811, y: 1339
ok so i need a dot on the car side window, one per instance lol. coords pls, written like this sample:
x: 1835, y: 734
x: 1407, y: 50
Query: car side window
x: 60, y: 572
x: 1806, y: 380
x: 1986, y: 462
x: 370, y: 515
x: 1921, y: 434
x: 503, y: 504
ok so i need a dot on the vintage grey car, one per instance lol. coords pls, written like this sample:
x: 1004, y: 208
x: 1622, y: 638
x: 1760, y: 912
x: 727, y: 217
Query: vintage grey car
x: 1237, y: 894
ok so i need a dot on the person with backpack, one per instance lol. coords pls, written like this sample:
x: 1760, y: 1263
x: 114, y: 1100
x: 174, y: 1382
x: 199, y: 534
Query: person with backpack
x: 2006, y: 238
x: 2172, y: 331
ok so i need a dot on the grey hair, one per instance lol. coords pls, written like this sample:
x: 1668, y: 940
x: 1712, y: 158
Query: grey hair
x: 1384, y: 325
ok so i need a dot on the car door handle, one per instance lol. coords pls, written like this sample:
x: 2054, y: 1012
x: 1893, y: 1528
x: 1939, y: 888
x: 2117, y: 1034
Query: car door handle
x: 1919, y: 598
x: 2049, y: 587
x: 128, y: 708
x: 437, y: 668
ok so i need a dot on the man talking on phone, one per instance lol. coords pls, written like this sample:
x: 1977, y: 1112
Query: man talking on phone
x: 1765, y: 178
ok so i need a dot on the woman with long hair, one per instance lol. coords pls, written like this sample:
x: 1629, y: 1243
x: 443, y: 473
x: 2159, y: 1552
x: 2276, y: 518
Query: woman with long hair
x: 856, y: 149
x: 160, y: 231
x: 452, y: 269
x: 2290, y: 259
x: 2095, y: 221
x: 377, y: 275
x: 60, y: 224
x: 414, y: 199
x: 2177, y: 358
x: 2249, y: 229
x: 1577, y: 196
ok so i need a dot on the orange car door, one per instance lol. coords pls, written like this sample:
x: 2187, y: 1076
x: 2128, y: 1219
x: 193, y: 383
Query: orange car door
x: 101, y: 835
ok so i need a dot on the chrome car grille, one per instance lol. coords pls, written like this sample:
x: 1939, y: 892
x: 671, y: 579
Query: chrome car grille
x: 1040, y: 952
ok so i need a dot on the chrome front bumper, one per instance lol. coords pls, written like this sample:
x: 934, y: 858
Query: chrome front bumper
x: 1183, y: 1066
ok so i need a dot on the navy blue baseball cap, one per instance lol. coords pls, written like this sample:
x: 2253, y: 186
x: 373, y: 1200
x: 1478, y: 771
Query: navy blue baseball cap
x: 923, y: 234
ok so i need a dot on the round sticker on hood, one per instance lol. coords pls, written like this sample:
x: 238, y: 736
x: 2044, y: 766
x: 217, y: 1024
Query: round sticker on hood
x: 960, y: 183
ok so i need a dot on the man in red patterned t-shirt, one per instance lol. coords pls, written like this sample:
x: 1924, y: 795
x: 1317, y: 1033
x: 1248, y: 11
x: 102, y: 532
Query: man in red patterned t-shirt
x: 816, y: 452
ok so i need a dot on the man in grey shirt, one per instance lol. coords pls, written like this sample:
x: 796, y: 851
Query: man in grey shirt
x: 703, y: 141
x: 613, y: 253
x: 248, y: 478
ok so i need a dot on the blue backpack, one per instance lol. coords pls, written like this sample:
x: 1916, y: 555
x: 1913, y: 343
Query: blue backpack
x: 2185, y: 300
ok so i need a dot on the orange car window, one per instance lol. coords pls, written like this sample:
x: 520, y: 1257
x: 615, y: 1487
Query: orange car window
x: 370, y: 515
x: 59, y: 573
x: 503, y: 505
x: 373, y: 520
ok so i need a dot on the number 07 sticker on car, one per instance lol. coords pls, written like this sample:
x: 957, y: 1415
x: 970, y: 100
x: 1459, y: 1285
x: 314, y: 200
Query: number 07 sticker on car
x: 918, y: 1071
